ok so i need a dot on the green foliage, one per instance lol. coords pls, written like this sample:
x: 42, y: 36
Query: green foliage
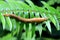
x: 51, y: 2
x: 26, y: 11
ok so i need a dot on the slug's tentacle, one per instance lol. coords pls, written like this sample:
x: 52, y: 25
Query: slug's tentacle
x: 32, y: 20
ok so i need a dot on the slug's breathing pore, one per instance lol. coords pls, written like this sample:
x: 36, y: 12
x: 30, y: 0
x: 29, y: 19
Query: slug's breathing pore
x: 32, y: 20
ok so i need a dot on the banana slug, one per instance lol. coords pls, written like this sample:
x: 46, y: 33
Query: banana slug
x: 31, y: 20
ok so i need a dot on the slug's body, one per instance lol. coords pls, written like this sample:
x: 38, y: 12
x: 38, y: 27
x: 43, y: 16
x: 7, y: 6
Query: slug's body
x: 24, y: 19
